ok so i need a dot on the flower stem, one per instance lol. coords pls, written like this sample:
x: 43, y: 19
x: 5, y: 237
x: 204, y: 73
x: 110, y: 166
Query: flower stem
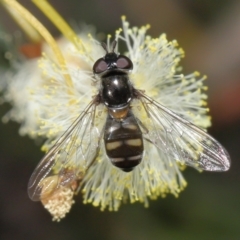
x: 45, y: 34
x: 59, y: 22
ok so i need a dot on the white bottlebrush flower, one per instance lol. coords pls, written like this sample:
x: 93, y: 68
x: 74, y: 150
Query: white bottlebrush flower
x: 47, y: 104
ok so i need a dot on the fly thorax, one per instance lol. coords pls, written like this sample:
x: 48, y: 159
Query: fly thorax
x: 116, y: 90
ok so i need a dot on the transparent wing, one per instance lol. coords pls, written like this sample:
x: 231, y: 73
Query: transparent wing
x: 179, y: 139
x: 70, y: 157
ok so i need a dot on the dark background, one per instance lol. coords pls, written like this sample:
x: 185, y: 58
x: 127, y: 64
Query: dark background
x: 209, y: 208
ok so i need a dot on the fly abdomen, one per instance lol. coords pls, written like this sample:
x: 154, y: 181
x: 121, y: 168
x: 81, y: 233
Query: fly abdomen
x: 123, y: 142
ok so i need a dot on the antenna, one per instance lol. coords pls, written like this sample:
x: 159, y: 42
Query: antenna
x: 104, y: 45
x: 114, y: 43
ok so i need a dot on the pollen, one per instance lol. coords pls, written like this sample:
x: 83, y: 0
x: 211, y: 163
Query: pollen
x: 60, y: 203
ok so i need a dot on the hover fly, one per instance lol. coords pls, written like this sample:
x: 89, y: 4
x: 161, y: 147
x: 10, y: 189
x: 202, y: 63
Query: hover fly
x: 123, y: 133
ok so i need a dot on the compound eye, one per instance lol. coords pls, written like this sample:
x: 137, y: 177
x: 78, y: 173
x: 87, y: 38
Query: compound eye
x: 100, y: 66
x: 124, y: 63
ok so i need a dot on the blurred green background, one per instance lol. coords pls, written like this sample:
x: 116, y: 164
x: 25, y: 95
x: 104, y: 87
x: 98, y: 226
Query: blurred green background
x: 209, y: 208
